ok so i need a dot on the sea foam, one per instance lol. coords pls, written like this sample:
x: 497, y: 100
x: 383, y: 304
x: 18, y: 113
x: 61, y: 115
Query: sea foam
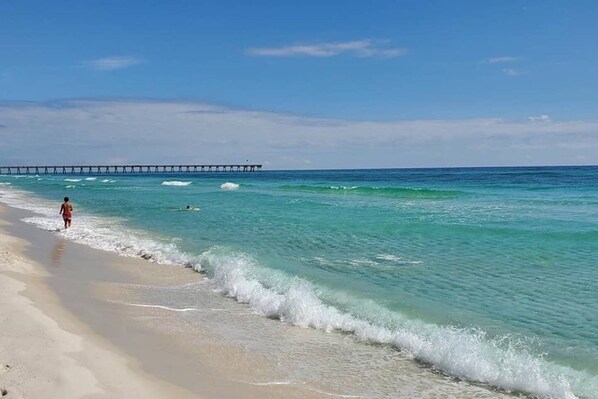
x: 229, y: 186
x: 176, y: 183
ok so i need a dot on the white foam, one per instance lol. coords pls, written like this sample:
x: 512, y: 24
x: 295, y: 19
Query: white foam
x: 398, y: 259
x: 104, y: 233
x: 343, y: 187
x: 4, y: 184
x: 267, y: 383
x: 229, y: 186
x: 388, y: 257
x: 163, y: 307
x: 91, y: 178
x: 70, y: 186
x: 72, y: 180
x: 176, y: 183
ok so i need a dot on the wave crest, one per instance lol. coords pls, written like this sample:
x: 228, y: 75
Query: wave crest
x: 229, y: 186
x: 175, y: 183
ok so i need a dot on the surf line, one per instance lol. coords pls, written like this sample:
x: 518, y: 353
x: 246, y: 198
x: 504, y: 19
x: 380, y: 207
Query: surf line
x: 141, y: 305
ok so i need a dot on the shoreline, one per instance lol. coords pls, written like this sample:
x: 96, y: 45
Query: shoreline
x: 45, y: 351
x: 114, y: 297
x: 85, y: 336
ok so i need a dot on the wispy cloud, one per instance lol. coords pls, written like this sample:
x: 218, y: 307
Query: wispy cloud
x: 357, y: 48
x: 133, y: 131
x: 511, y: 72
x: 113, y: 63
x: 502, y: 60
x: 539, y: 118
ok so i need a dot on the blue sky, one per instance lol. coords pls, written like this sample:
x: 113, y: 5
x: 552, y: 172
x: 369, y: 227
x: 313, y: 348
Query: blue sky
x: 379, y: 62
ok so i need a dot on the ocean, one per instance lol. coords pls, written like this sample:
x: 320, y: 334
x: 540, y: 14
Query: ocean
x: 488, y: 275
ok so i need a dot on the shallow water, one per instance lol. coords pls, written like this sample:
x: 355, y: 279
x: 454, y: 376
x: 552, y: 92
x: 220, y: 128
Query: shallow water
x: 489, y: 275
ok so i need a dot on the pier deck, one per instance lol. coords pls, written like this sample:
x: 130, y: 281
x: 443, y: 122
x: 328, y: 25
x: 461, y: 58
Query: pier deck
x: 124, y: 169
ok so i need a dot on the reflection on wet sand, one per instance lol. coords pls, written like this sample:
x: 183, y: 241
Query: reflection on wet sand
x: 57, y: 252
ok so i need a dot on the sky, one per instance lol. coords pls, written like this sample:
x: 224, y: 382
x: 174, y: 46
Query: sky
x: 305, y: 84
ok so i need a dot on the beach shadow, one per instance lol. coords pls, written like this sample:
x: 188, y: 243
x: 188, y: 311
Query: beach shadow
x: 57, y: 252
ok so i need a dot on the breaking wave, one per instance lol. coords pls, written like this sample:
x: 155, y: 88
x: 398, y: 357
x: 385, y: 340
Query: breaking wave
x: 176, y: 183
x: 229, y: 186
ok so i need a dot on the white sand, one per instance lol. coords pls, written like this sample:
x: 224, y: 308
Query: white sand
x: 57, y: 356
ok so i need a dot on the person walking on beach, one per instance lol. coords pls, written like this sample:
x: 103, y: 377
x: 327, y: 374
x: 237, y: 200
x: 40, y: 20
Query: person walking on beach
x: 66, y: 210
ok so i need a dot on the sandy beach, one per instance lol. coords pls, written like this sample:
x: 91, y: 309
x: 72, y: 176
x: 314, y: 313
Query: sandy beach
x: 82, y: 322
x: 65, y: 331
x: 46, y: 352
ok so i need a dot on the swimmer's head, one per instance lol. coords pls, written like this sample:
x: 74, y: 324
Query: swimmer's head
x: 66, y: 199
x: 188, y: 206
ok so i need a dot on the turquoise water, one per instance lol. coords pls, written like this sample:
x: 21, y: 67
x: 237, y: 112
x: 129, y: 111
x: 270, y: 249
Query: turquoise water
x: 488, y: 274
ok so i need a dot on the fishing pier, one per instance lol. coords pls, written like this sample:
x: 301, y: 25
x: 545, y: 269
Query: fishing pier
x: 124, y: 169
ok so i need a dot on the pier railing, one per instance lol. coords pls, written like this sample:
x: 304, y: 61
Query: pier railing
x: 124, y: 169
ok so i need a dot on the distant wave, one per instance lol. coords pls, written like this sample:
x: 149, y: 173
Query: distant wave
x: 398, y: 192
x: 176, y: 183
x: 466, y: 353
x: 229, y: 186
x: 91, y: 178
x: 72, y: 180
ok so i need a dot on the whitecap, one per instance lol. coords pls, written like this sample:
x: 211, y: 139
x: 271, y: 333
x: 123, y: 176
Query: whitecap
x: 176, y: 183
x: 229, y: 186
x: 72, y: 180
x: 91, y: 178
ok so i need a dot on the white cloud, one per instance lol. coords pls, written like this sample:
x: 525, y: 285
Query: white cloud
x: 502, y: 60
x: 511, y: 72
x: 137, y: 131
x: 539, y: 118
x: 358, y: 48
x: 113, y: 63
